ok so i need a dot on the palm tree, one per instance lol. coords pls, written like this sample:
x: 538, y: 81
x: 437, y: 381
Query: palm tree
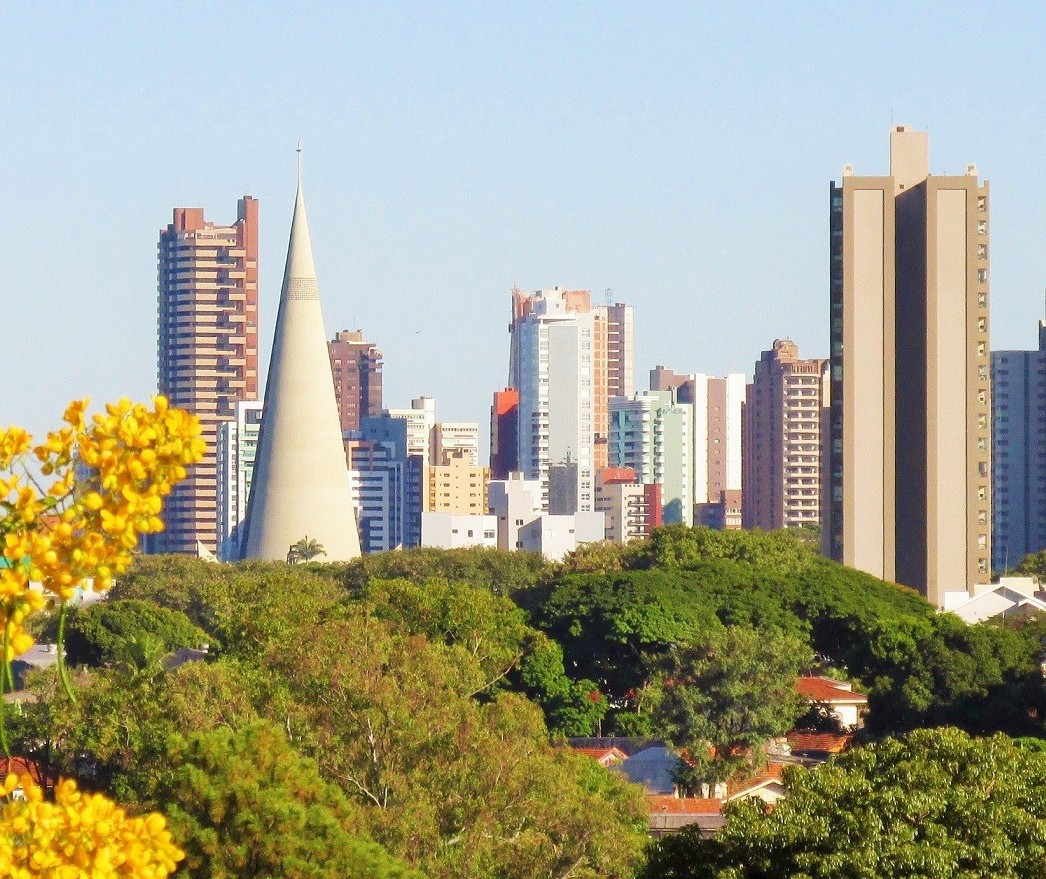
x: 305, y: 550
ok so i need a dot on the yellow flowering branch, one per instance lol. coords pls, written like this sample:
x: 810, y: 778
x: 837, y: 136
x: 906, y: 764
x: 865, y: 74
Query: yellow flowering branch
x: 78, y: 835
x: 110, y: 477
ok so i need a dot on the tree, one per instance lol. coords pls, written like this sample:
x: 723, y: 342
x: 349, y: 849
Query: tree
x: 245, y: 805
x: 724, y: 697
x: 503, y: 573
x: 98, y: 633
x: 460, y: 787
x: 305, y: 550
x: 936, y: 804
x: 614, y: 627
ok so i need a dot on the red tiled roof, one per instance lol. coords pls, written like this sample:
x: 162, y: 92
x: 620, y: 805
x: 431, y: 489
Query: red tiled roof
x: 683, y: 805
x: 826, y: 690
x: 22, y: 766
x: 771, y: 772
x: 808, y: 740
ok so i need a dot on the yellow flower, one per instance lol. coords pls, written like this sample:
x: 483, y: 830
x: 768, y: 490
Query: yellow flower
x: 79, y: 835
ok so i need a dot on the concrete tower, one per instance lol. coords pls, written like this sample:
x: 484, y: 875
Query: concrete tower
x: 301, y: 481
x: 910, y: 413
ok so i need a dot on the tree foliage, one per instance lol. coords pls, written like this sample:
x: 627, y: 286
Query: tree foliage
x: 101, y: 632
x: 245, y: 805
x: 724, y: 697
x: 934, y: 805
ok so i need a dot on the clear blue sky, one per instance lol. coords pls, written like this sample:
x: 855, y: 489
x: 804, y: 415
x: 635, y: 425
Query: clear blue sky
x: 679, y: 154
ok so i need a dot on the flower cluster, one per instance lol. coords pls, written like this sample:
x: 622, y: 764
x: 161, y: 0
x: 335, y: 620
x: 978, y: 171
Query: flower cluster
x: 79, y: 835
x: 108, y: 478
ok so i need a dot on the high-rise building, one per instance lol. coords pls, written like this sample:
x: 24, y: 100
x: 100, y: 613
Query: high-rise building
x: 554, y: 369
x: 237, y: 449
x: 504, y: 421
x: 301, y: 484
x: 1018, y: 454
x: 716, y: 406
x: 620, y: 376
x: 207, y: 353
x: 603, y: 371
x: 356, y: 366
x: 651, y: 434
x: 458, y: 485
x: 388, y: 500
x: 785, y: 418
x: 910, y: 432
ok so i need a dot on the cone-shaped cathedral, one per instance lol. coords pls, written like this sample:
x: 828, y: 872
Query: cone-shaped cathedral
x: 300, y: 486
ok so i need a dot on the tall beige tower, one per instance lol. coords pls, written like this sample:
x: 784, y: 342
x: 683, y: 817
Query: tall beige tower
x: 910, y: 410
x: 301, y: 482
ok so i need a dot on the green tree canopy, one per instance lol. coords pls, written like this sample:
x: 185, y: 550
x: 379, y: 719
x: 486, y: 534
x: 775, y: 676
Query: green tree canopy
x: 245, y: 805
x: 725, y: 696
x: 934, y: 805
x: 100, y: 632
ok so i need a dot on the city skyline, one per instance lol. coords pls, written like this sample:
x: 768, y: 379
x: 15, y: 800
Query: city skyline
x: 591, y: 150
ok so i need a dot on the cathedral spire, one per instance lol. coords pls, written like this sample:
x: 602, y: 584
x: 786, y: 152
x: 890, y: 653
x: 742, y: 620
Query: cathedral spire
x: 301, y: 482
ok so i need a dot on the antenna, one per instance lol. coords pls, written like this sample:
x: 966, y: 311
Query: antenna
x: 609, y: 296
x: 299, y: 161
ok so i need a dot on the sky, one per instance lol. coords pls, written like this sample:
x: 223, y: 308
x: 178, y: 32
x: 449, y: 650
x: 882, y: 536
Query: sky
x: 675, y: 156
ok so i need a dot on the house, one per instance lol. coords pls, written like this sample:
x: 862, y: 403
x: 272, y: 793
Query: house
x: 812, y: 747
x: 605, y: 757
x: 838, y: 697
x: 1009, y: 597
x: 24, y: 766
x: 668, y: 814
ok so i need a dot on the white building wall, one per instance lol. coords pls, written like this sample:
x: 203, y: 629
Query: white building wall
x: 735, y: 398
x: 555, y: 536
x: 451, y: 531
x: 236, y: 450
x: 514, y: 502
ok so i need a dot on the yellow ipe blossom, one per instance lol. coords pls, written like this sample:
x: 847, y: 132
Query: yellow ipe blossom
x: 85, y: 523
x: 78, y: 836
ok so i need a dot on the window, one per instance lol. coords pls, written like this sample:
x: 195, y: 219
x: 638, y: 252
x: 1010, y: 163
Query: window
x: 982, y: 276
x: 982, y: 251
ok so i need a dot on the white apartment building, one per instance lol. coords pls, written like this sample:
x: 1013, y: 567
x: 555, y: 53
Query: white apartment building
x: 236, y: 448
x: 556, y: 375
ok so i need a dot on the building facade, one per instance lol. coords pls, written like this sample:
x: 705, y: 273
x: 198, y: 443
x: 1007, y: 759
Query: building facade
x: 631, y: 510
x: 716, y: 406
x: 236, y: 450
x: 910, y: 411
x: 457, y: 485
x: 556, y: 374
x: 785, y: 419
x: 207, y: 351
x: 504, y: 426
x: 566, y: 404
x: 651, y: 434
x: 1018, y: 454
x: 356, y: 367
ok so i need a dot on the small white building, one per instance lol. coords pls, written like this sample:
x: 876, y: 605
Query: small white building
x: 453, y: 531
x: 1009, y: 597
x: 555, y: 536
x: 515, y: 502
